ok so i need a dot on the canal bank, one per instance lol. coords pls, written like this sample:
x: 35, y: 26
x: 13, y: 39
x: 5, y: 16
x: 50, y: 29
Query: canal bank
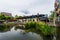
x: 19, y: 35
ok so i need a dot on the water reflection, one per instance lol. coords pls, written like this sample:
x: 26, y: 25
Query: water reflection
x: 18, y: 35
x: 13, y: 28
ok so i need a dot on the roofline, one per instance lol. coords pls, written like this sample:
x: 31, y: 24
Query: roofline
x: 32, y: 16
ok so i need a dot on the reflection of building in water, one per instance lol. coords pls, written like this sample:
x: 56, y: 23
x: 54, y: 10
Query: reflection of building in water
x: 40, y: 17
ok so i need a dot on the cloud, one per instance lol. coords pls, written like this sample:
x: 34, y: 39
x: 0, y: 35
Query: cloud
x: 26, y: 7
x: 25, y: 11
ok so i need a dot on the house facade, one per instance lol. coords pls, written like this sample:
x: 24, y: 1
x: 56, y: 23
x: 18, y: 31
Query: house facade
x: 36, y: 18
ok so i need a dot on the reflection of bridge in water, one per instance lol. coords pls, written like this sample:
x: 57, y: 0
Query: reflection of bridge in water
x: 15, y: 24
x: 11, y: 24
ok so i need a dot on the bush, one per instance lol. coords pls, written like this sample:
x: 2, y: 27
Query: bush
x: 40, y: 27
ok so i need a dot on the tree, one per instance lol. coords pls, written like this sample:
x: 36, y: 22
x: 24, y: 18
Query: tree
x: 20, y: 16
x: 7, y: 17
x: 51, y: 17
x: 16, y: 16
x: 3, y: 17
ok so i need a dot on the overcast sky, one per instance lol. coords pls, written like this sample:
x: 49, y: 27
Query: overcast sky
x: 26, y: 7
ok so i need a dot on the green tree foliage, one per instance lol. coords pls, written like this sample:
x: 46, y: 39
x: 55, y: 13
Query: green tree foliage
x: 16, y: 16
x: 3, y: 17
x: 7, y: 17
x: 51, y: 17
x: 20, y: 16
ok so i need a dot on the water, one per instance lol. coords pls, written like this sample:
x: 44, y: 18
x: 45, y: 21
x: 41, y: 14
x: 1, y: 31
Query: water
x: 19, y: 35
